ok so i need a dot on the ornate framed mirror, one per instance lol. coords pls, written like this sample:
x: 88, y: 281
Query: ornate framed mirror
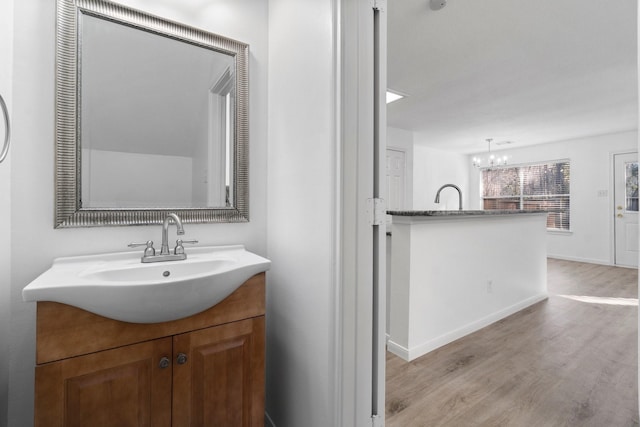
x: 151, y: 118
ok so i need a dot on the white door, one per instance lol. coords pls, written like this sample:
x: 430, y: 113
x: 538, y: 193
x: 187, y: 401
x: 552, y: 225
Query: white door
x: 626, y: 209
x: 395, y: 179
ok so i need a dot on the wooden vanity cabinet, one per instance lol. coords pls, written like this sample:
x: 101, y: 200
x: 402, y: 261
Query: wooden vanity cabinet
x: 205, y: 370
x: 118, y: 387
x: 214, y: 387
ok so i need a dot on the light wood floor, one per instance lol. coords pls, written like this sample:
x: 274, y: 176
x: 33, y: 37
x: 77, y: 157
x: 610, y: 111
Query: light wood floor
x: 561, y: 362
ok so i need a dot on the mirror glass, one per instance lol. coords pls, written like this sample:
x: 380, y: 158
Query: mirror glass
x: 159, y: 122
x: 171, y: 101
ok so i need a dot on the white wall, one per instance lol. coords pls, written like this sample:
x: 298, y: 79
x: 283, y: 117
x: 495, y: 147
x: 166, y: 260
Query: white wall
x: 432, y: 169
x: 112, y: 179
x: 36, y: 243
x: 6, y: 71
x: 301, y: 211
x: 590, y: 239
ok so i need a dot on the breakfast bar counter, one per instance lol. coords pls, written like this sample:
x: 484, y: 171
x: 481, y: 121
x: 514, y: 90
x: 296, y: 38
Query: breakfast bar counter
x: 454, y: 272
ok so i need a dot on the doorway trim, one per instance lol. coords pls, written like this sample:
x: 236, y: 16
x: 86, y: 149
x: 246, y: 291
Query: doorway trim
x: 360, y: 296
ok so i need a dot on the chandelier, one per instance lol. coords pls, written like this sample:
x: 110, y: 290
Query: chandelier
x: 491, y: 161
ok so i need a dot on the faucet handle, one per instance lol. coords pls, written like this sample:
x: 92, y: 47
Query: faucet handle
x: 179, y: 249
x: 149, y: 250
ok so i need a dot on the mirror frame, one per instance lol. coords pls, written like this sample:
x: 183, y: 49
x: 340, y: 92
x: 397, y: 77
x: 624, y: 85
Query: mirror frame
x: 68, y: 208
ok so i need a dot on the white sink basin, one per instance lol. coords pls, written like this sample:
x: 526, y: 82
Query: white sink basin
x: 120, y: 287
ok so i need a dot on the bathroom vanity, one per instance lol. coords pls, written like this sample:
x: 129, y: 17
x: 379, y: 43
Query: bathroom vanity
x: 454, y: 272
x: 202, y: 370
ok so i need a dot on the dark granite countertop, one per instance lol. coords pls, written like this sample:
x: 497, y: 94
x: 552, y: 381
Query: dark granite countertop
x: 462, y: 213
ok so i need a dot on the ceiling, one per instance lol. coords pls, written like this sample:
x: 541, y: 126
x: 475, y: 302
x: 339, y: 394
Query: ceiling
x: 524, y: 71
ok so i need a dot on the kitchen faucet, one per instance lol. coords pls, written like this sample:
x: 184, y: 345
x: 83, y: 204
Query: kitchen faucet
x: 437, y: 200
x: 165, y: 255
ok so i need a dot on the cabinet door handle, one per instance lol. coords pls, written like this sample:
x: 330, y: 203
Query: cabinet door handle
x: 182, y: 358
x: 164, y: 363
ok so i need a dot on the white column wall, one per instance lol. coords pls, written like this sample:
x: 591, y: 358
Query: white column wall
x: 301, y: 229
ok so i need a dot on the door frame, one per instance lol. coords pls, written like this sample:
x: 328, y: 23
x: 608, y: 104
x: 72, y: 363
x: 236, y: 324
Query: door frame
x: 361, y: 293
x: 6, y: 90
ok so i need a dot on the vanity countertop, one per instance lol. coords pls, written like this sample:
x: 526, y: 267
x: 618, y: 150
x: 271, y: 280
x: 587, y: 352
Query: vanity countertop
x: 462, y: 213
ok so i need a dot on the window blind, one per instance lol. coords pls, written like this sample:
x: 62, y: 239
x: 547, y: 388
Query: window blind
x: 540, y: 186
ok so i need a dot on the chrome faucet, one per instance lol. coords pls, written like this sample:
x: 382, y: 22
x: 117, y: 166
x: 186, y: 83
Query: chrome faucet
x: 165, y: 255
x: 164, y: 249
x: 437, y: 200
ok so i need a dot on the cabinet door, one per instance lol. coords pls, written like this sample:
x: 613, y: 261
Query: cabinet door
x: 221, y: 381
x: 121, y: 387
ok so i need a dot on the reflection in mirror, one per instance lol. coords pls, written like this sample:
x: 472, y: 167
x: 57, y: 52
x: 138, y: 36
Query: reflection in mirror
x: 135, y: 78
x: 161, y: 119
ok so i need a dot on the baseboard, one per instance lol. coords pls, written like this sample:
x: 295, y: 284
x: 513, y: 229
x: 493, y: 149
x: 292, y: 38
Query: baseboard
x: 578, y: 259
x: 590, y: 261
x: 398, y: 350
x: 424, y: 348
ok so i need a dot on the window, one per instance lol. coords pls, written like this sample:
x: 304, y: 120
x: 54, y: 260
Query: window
x: 631, y: 181
x: 542, y: 186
